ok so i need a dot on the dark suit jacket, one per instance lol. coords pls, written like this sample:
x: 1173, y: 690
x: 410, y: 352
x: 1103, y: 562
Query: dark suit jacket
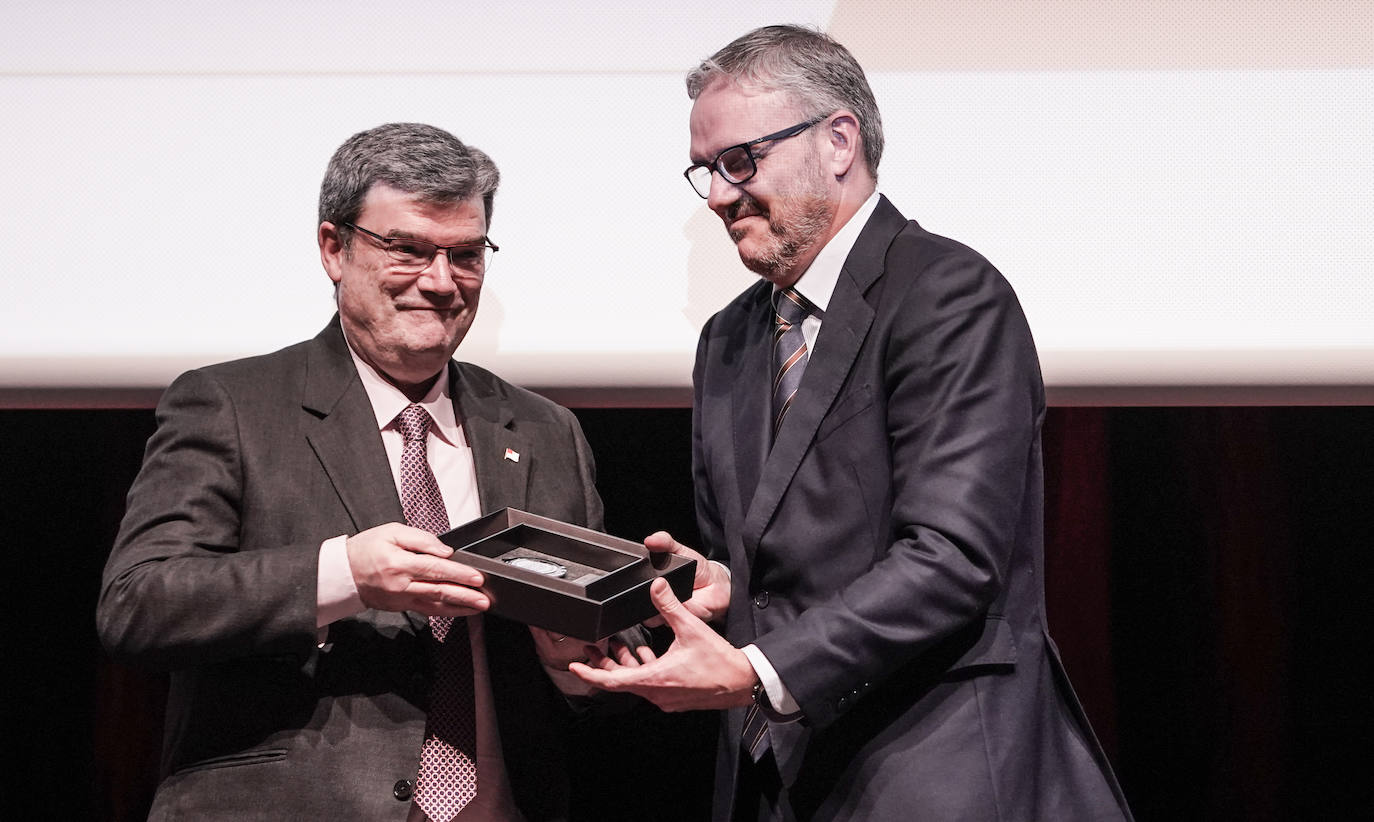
x: 213, y: 576
x: 887, y: 551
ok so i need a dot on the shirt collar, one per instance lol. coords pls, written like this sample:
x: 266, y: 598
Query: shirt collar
x: 388, y: 401
x: 817, y: 283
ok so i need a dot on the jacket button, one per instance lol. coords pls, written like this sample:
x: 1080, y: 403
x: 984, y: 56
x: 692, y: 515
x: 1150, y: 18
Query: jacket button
x: 403, y: 789
x: 761, y: 599
x: 842, y: 704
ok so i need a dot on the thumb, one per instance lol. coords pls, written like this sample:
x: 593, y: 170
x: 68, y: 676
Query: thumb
x: 660, y: 541
x: 662, y: 596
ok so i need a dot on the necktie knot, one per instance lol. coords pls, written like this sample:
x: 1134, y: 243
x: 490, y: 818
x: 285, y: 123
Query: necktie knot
x: 414, y: 423
x: 791, y: 307
x: 421, y: 500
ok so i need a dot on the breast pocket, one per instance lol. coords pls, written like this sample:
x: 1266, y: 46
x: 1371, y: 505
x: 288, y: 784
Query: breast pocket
x: 235, y: 760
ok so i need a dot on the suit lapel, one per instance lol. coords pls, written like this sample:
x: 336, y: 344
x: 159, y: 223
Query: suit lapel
x: 751, y: 395
x: 848, y: 318
x: 500, y: 453
x: 342, y: 430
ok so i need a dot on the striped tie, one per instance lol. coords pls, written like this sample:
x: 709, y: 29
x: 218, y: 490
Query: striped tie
x: 755, y: 736
x: 448, y: 767
x: 789, y: 361
x: 789, y: 349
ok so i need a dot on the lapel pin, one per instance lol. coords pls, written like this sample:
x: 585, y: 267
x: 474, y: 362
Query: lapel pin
x: 512, y: 455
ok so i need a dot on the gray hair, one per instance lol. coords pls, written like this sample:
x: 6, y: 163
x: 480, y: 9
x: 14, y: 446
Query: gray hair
x: 422, y: 160
x: 821, y: 76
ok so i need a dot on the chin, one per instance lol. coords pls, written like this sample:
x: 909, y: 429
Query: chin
x: 761, y: 261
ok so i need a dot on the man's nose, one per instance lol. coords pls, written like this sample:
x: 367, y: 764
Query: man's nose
x: 440, y: 277
x: 723, y: 193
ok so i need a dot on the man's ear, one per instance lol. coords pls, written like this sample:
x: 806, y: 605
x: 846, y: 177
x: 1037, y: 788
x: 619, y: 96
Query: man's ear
x: 845, y: 142
x: 331, y: 250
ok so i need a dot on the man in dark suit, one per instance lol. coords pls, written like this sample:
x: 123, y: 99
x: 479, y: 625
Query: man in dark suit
x: 264, y: 562
x: 879, y: 519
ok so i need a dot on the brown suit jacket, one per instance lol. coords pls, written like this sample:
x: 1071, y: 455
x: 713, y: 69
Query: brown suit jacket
x: 213, y: 577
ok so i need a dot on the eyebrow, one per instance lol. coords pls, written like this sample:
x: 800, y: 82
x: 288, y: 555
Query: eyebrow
x: 706, y: 161
x: 402, y: 234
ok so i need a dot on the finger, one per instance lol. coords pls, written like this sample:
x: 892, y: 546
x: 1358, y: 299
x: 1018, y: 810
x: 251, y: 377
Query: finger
x: 600, y: 660
x: 440, y: 594
x: 701, y: 612
x: 590, y: 650
x: 667, y: 603
x: 606, y: 680
x: 419, y: 541
x: 434, y: 569
x: 634, y: 657
x: 448, y: 611
x: 661, y: 541
x: 705, y: 572
x: 431, y: 547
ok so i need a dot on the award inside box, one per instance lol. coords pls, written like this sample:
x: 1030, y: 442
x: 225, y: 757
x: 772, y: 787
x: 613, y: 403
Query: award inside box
x: 564, y: 578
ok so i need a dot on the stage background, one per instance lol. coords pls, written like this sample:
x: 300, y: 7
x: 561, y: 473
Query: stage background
x: 1178, y: 190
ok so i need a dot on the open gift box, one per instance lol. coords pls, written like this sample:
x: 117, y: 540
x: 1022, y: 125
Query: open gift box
x: 564, y: 578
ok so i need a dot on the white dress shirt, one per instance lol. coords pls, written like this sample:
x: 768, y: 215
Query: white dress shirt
x: 450, y: 458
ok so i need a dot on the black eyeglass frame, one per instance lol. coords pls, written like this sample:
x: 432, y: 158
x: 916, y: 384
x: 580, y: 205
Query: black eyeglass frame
x: 715, y: 164
x: 385, y: 243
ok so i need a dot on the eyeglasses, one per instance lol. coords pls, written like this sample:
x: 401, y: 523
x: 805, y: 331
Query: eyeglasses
x: 411, y: 256
x: 737, y: 164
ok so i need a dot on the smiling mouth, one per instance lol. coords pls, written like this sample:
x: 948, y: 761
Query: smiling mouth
x: 437, y: 309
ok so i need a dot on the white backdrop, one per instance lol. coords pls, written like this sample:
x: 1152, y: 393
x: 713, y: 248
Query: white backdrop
x: 1180, y: 192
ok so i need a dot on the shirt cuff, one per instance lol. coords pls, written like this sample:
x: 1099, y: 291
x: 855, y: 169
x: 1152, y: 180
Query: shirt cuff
x: 336, y: 594
x: 778, y: 695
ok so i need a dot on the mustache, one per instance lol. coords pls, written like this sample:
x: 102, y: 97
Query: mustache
x: 745, y: 206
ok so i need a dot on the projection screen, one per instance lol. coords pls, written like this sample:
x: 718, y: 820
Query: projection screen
x: 1179, y: 191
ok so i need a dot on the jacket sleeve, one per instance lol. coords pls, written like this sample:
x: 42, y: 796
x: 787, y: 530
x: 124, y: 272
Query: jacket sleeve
x: 179, y: 589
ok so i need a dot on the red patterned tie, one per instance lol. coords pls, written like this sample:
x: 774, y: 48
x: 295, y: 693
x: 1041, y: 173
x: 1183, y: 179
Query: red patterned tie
x: 448, y: 766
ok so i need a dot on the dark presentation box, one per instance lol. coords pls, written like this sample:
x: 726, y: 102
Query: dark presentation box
x: 565, y: 578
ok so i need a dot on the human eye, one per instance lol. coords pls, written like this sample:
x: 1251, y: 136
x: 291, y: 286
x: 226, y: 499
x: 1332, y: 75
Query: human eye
x: 408, y: 252
x: 468, y: 257
x: 735, y: 163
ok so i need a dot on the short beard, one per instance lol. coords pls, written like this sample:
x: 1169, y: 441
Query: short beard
x: 798, y: 222
x: 791, y: 239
